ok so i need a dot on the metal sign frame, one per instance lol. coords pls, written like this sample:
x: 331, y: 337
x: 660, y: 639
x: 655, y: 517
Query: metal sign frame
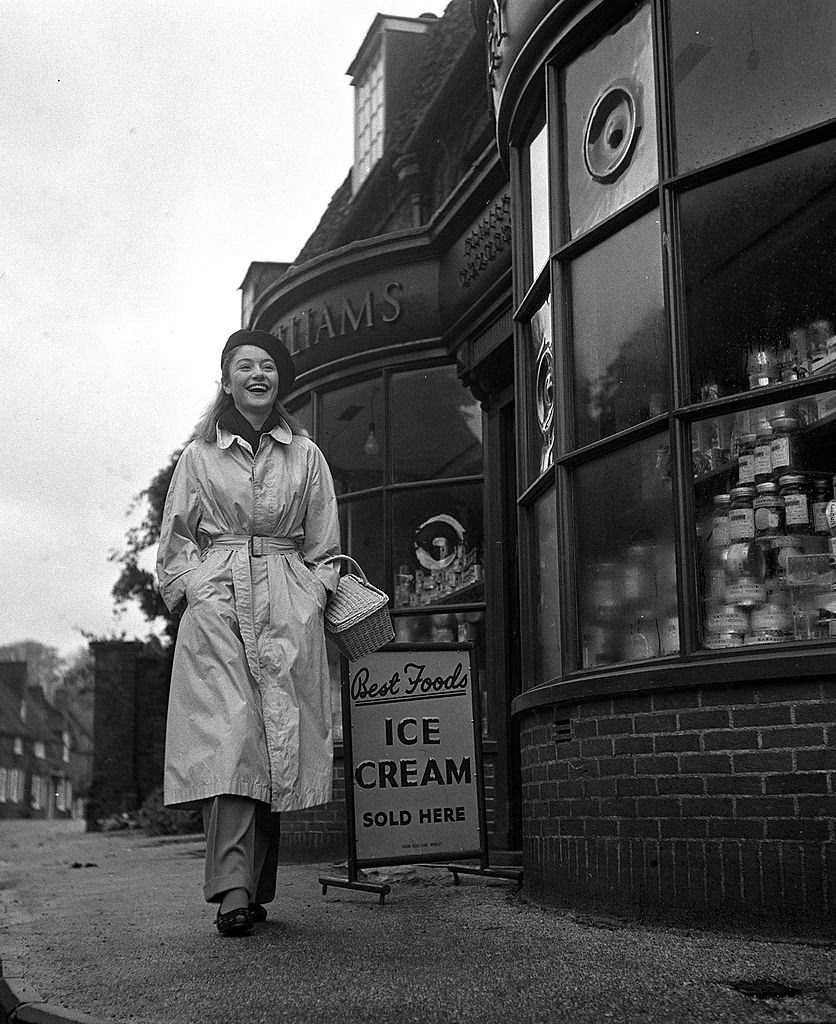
x: 480, y: 850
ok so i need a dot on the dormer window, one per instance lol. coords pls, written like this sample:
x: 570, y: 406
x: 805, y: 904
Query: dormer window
x: 384, y: 74
x: 368, y: 120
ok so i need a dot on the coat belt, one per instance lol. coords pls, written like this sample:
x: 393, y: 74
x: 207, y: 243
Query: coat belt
x: 253, y: 546
x: 258, y: 545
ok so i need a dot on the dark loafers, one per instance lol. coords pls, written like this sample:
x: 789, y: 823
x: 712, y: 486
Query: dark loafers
x: 257, y: 912
x: 236, y: 922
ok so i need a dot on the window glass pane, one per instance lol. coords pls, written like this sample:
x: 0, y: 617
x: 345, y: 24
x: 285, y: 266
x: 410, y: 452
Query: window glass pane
x: 758, y: 254
x: 437, y: 546
x: 304, y: 413
x: 538, y: 181
x: 610, y: 118
x: 449, y: 627
x: 760, y: 495
x: 745, y: 73
x: 352, y: 435
x: 361, y: 531
x: 545, y: 635
x: 621, y: 357
x: 542, y: 405
x: 627, y: 605
x: 436, y: 426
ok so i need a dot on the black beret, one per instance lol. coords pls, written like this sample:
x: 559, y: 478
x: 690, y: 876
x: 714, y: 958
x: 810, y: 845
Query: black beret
x: 273, y: 347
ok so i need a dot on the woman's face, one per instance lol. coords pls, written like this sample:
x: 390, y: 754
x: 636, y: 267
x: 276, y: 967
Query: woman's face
x: 253, y: 382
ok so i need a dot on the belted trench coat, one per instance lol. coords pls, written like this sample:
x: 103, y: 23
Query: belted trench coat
x: 249, y: 709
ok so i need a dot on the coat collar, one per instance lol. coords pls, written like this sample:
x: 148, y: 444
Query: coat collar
x: 281, y: 432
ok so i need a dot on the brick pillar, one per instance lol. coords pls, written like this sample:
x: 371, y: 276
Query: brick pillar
x: 153, y: 680
x: 114, y: 785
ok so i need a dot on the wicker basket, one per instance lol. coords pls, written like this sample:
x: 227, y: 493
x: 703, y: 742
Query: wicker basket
x: 357, y: 615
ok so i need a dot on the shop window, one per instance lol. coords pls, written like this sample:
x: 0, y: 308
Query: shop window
x: 545, y: 638
x: 543, y: 404
x: 761, y: 490
x: 745, y: 73
x: 436, y: 426
x: 537, y: 168
x: 619, y: 339
x: 351, y: 429
x: 4, y: 785
x: 449, y: 627
x: 37, y: 793
x: 759, y: 249
x: 437, y: 546
x: 304, y: 413
x: 361, y: 530
x: 15, y: 786
x: 610, y: 122
x: 625, y: 562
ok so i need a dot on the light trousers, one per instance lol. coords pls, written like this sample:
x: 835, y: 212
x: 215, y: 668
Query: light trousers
x: 242, y: 848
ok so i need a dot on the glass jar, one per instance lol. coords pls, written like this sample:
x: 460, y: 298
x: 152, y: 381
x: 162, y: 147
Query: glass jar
x: 768, y: 509
x: 762, y: 366
x: 763, y: 453
x: 720, y: 521
x: 784, y: 445
x: 822, y: 493
x: 746, y: 459
x: 741, y: 514
x: 797, y: 512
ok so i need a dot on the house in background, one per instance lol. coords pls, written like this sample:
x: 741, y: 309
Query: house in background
x: 44, y: 750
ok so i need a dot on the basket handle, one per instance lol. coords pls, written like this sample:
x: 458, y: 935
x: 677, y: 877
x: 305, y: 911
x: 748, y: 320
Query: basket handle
x: 345, y: 558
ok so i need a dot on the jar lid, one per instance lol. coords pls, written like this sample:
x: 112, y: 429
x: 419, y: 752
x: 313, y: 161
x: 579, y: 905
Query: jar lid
x: 722, y: 499
x: 742, y: 492
x: 785, y: 423
x: 747, y: 439
x: 766, y: 488
x: 791, y: 479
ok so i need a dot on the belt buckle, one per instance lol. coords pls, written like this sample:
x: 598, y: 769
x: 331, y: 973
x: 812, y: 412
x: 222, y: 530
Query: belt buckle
x: 258, y: 546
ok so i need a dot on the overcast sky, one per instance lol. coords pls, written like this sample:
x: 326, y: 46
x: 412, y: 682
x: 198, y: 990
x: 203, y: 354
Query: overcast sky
x: 150, y: 152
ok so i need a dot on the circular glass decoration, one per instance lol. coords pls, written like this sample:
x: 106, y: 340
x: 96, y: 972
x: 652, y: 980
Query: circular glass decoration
x: 612, y: 130
x: 545, y: 391
x: 436, y: 540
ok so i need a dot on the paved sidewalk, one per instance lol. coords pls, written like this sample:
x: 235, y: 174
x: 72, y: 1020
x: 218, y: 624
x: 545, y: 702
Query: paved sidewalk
x: 112, y: 925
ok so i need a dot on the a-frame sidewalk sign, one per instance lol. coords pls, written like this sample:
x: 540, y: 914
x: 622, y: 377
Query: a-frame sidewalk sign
x: 414, y: 774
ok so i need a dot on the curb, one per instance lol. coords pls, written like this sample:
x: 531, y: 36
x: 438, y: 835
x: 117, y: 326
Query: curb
x: 21, y: 1004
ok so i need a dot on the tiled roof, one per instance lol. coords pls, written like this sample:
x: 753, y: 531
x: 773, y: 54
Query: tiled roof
x: 447, y: 37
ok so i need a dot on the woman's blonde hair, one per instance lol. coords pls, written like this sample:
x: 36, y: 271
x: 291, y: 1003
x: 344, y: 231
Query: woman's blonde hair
x: 207, y: 425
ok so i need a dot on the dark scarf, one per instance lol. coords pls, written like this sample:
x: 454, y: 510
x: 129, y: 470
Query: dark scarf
x: 236, y: 423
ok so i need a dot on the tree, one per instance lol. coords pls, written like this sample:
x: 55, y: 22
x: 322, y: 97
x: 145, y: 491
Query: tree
x: 135, y: 583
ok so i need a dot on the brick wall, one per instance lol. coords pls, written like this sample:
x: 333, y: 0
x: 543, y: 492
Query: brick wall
x: 716, y: 805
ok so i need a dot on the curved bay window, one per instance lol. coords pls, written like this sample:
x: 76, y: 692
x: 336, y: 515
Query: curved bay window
x: 676, y: 352
x: 405, y: 451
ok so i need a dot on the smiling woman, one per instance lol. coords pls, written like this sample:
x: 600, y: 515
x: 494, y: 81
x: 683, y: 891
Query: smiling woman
x: 250, y: 522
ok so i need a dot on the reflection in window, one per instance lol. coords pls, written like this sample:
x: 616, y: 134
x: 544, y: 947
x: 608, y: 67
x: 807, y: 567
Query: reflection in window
x: 765, y: 574
x: 747, y: 73
x: 620, y: 349
x: 544, y: 383
x: 759, y: 249
x: 538, y: 184
x: 361, y: 530
x: 627, y: 605
x: 449, y: 627
x: 610, y: 116
x: 351, y: 425
x: 544, y: 587
x: 436, y: 426
x: 437, y: 546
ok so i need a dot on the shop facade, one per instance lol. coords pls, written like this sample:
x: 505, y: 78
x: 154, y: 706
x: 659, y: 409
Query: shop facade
x: 671, y: 170
x: 398, y: 316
